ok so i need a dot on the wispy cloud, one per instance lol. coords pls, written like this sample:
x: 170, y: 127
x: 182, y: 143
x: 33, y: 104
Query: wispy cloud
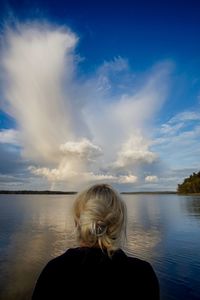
x: 185, y: 116
x: 178, y: 141
x: 9, y: 136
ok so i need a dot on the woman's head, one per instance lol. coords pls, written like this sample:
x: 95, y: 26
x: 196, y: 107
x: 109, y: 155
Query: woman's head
x: 100, y: 217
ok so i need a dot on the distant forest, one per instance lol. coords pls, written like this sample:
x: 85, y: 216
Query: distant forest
x: 190, y: 184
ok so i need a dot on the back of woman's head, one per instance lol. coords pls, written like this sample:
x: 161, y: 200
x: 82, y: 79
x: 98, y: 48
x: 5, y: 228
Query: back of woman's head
x: 100, y: 217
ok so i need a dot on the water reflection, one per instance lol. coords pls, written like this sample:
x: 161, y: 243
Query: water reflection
x: 143, y: 234
x: 192, y: 206
x: 142, y: 243
x: 44, y: 230
x: 161, y: 229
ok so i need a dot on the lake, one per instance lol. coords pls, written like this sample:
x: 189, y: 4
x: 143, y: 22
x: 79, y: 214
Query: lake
x: 162, y: 229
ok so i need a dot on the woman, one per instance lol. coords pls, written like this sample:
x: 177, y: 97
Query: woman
x: 98, y: 268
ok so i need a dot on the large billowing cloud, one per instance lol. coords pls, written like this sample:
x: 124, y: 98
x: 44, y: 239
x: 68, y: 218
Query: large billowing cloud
x: 73, y: 130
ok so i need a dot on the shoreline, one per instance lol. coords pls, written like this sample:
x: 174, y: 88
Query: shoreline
x: 38, y: 192
x: 47, y: 192
x: 161, y: 193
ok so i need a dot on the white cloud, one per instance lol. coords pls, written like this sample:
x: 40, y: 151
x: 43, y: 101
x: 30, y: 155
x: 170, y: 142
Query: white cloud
x: 9, y: 136
x: 128, y: 179
x: 114, y: 71
x: 83, y: 149
x: 118, y: 64
x: 179, y: 124
x: 55, y: 174
x: 60, y: 174
x: 178, y: 140
x: 185, y: 116
x: 64, y: 174
x: 135, y: 151
x: 35, y: 60
x: 151, y: 178
x: 73, y: 129
x: 169, y: 129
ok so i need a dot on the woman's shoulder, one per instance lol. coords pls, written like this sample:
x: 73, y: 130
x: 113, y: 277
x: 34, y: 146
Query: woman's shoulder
x: 67, y: 256
x: 136, y: 265
x: 130, y: 259
x: 138, y: 262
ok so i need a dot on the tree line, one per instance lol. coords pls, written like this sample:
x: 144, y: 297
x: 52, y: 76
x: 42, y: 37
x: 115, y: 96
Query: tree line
x: 190, y: 184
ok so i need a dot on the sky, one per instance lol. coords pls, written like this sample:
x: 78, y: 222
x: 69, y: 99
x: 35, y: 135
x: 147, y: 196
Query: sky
x: 99, y: 91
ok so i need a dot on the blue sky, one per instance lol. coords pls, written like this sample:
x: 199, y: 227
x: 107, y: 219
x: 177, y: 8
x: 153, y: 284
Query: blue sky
x: 134, y: 87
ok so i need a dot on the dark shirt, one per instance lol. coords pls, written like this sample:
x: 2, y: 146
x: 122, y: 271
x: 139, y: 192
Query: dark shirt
x: 89, y: 273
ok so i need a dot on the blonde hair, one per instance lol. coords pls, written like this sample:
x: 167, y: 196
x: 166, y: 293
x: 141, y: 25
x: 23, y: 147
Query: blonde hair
x: 100, y: 218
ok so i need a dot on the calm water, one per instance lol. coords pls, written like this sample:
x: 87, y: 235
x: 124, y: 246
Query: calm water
x: 163, y: 229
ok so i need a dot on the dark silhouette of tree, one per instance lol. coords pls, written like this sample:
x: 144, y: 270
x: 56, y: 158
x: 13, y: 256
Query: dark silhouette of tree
x: 190, y: 184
